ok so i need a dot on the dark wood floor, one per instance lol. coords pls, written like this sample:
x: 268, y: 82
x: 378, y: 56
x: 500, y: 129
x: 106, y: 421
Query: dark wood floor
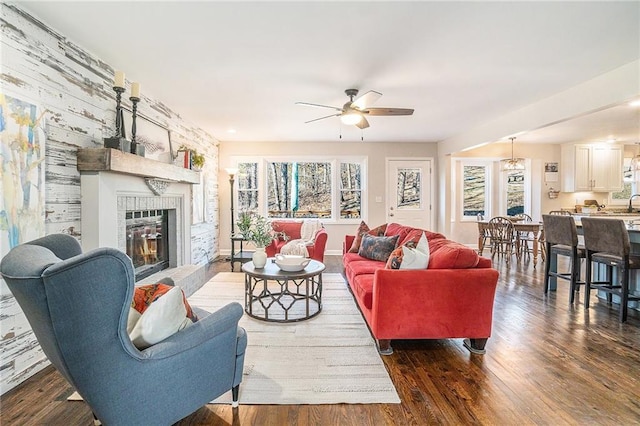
x: 547, y: 363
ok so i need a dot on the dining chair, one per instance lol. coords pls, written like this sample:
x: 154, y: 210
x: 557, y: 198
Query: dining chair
x: 561, y: 238
x: 485, y: 237
x: 607, y: 243
x: 524, y: 237
x: 502, y: 234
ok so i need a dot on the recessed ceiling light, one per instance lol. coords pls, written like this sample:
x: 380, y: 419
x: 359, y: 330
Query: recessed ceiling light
x: 231, y: 131
x: 635, y: 103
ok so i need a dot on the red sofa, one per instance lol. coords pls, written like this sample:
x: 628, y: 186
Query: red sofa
x: 291, y: 228
x: 453, y: 298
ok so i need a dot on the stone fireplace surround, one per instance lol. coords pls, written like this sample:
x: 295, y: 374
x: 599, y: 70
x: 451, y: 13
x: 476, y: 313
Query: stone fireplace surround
x: 113, y: 182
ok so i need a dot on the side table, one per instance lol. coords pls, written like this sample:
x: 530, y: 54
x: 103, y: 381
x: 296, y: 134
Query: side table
x: 242, y: 255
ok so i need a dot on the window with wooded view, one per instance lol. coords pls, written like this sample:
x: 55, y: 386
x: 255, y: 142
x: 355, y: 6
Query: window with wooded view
x: 474, y: 181
x: 302, y: 189
x: 515, y: 192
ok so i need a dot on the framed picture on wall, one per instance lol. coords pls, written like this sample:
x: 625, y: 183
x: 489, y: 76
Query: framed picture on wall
x: 550, y: 172
x: 155, y: 137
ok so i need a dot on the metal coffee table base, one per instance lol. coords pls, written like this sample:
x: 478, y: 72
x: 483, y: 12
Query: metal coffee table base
x: 276, y: 296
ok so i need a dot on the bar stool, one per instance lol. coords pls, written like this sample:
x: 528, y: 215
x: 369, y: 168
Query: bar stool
x: 561, y: 238
x: 607, y: 242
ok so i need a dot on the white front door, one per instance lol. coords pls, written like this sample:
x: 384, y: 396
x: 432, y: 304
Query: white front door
x: 409, y: 192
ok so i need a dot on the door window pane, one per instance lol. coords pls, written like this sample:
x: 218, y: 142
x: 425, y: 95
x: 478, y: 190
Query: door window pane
x: 474, y: 190
x: 408, y: 189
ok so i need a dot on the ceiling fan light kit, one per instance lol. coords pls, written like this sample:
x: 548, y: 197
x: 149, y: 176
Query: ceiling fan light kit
x: 351, y: 118
x: 511, y: 164
x: 353, y: 112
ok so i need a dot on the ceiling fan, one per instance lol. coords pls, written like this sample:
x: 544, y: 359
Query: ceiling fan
x: 354, y: 111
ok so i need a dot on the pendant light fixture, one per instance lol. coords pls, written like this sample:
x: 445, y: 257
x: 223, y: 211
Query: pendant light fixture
x: 510, y: 164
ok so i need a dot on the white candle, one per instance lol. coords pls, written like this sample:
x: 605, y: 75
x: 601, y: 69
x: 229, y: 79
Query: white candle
x: 135, y: 90
x: 118, y: 81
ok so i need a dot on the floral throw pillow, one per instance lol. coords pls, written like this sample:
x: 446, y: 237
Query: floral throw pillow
x: 377, y: 248
x: 364, y: 229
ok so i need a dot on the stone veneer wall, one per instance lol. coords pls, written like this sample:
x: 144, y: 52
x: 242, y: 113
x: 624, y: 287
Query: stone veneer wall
x: 40, y: 65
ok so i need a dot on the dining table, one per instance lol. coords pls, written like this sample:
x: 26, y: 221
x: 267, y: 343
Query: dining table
x: 520, y: 228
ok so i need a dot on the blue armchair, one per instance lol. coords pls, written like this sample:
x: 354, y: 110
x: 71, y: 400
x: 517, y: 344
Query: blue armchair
x: 77, y: 305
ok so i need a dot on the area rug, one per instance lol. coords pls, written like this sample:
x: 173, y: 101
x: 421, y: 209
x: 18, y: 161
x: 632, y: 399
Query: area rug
x: 328, y: 359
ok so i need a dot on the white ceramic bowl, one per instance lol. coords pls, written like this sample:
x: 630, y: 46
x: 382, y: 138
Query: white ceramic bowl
x: 291, y: 263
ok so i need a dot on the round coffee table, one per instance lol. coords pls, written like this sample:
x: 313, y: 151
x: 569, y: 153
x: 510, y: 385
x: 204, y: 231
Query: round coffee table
x: 278, y: 296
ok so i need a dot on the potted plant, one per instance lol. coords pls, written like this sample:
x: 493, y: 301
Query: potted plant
x: 197, y: 160
x: 244, y: 223
x: 260, y: 233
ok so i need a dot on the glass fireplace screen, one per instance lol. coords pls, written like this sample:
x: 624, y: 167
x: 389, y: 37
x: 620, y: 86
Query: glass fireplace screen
x: 147, y: 244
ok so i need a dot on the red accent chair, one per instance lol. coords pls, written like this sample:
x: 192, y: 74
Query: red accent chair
x: 291, y: 228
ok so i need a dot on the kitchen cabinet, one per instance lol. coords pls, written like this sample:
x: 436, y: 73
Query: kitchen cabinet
x: 596, y: 167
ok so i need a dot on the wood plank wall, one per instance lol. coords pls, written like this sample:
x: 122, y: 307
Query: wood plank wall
x: 41, y: 66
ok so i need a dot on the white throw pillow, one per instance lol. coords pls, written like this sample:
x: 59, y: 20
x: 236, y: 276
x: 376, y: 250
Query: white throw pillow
x: 165, y: 316
x: 417, y: 258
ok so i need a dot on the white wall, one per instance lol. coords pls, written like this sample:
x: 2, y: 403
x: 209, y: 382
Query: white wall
x: 43, y: 67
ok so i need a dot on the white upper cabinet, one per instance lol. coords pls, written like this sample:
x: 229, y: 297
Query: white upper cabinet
x: 595, y: 168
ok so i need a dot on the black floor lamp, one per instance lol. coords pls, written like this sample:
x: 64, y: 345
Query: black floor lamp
x: 232, y: 171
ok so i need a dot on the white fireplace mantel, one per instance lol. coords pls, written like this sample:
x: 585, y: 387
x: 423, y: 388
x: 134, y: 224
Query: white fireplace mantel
x: 113, y: 182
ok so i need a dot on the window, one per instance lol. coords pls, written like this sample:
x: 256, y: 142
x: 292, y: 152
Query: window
x: 299, y: 189
x: 248, y: 187
x: 474, y: 190
x: 350, y: 191
x: 515, y: 192
x: 327, y: 189
x: 629, y: 185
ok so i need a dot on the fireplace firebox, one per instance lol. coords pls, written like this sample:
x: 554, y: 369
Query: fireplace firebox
x: 146, y: 241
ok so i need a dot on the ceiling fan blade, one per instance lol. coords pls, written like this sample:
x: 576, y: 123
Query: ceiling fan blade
x: 322, y: 118
x: 366, y: 100
x: 389, y: 111
x: 363, y: 124
x: 318, y: 106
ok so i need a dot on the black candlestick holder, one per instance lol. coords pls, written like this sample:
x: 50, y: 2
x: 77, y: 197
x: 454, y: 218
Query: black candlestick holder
x: 119, y: 141
x: 136, y: 148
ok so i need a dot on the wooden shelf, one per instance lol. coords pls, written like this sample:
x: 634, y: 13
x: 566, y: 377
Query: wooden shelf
x: 113, y: 160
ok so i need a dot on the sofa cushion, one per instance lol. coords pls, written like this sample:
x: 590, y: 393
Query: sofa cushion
x: 400, y: 230
x: 363, y: 289
x: 447, y: 254
x: 363, y: 228
x: 414, y: 234
x: 377, y: 248
x: 367, y: 266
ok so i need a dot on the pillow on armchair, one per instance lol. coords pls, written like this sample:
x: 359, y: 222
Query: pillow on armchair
x: 157, y: 312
